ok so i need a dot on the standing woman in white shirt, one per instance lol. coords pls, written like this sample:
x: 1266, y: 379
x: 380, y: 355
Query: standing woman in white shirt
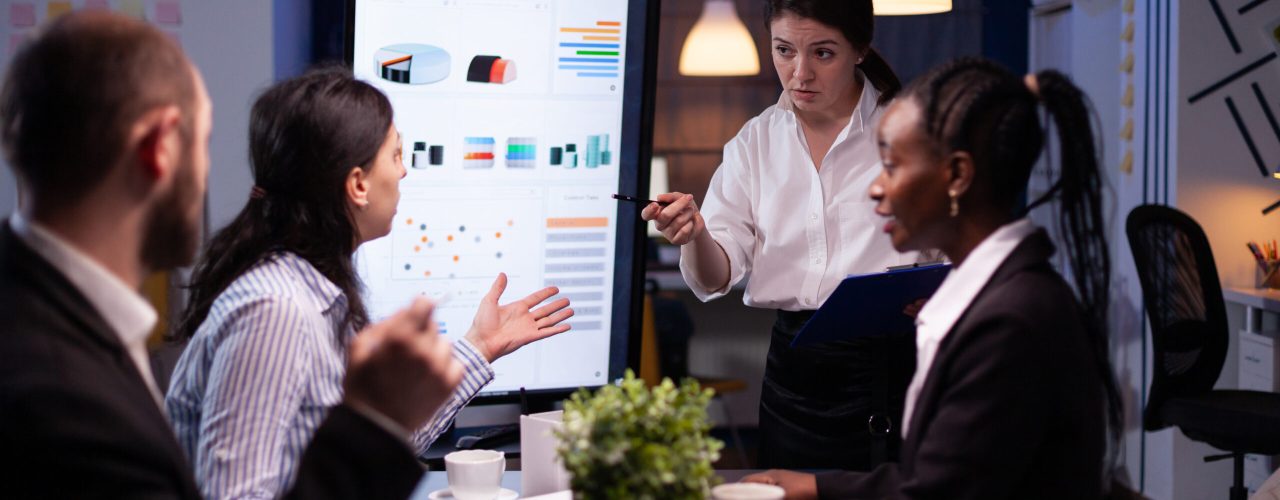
x: 789, y: 207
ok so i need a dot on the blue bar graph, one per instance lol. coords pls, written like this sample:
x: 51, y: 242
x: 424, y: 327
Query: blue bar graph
x: 588, y: 68
x: 588, y: 60
x: 598, y: 75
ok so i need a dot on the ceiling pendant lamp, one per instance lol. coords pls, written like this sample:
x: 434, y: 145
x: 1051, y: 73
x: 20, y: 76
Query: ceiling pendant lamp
x: 911, y: 7
x: 719, y: 44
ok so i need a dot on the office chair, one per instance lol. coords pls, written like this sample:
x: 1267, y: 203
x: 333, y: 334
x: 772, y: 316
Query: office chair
x: 1189, y: 338
x: 665, y: 353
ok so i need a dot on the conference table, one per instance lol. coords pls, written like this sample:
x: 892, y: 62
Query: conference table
x: 436, y: 480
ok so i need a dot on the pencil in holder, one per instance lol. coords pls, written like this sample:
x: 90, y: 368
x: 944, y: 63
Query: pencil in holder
x: 1269, y: 277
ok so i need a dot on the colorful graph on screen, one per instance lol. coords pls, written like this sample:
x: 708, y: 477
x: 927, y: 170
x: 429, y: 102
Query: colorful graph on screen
x: 412, y: 63
x: 463, y: 240
x: 591, y: 51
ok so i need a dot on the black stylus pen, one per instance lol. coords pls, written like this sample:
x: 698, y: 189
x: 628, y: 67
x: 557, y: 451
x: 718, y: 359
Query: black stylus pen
x: 633, y: 199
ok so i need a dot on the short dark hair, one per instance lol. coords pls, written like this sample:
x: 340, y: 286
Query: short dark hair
x: 72, y: 93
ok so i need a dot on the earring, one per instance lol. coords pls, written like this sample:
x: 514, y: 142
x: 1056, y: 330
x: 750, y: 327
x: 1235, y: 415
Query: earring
x: 955, y: 203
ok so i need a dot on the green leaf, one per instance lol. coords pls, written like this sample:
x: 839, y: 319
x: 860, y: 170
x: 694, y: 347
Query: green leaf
x: 630, y: 441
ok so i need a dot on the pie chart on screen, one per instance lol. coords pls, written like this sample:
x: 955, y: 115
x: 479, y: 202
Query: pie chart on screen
x: 412, y: 63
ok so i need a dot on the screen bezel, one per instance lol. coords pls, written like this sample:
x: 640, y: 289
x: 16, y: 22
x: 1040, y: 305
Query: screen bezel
x: 639, y: 82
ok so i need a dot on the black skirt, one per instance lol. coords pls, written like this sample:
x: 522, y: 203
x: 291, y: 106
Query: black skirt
x: 835, y: 405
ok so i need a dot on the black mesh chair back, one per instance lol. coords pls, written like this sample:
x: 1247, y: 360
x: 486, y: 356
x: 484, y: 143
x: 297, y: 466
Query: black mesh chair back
x: 1184, y: 303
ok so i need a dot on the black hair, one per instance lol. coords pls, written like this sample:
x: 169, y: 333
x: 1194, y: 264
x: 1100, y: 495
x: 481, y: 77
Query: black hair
x: 305, y: 136
x: 975, y: 105
x: 856, y: 21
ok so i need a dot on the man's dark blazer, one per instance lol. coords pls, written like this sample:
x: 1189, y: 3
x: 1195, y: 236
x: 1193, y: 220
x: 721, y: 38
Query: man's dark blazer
x: 77, y: 420
x: 1013, y: 405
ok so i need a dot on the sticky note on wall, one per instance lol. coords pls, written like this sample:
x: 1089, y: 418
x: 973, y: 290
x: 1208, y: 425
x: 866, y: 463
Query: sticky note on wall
x: 133, y: 8
x: 56, y: 9
x: 22, y: 14
x: 169, y: 13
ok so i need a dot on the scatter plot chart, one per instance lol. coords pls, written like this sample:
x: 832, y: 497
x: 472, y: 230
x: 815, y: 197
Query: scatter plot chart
x: 458, y: 247
x: 449, y: 244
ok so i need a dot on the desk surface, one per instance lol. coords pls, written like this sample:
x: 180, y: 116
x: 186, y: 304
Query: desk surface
x: 436, y: 479
x: 1261, y: 298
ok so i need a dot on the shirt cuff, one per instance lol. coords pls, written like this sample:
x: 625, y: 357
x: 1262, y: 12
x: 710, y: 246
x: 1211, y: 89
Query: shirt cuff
x: 381, y: 420
x: 687, y: 263
x: 476, y: 366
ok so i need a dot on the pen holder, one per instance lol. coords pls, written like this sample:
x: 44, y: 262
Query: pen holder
x: 1268, y: 278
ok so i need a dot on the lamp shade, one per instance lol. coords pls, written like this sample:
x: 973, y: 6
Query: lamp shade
x: 719, y: 44
x: 911, y: 7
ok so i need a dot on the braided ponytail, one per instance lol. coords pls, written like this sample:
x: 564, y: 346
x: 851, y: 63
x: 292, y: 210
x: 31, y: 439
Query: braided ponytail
x: 1082, y: 224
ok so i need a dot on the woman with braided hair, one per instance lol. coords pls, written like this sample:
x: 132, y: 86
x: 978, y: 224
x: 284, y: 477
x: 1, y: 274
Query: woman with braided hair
x: 1013, y: 394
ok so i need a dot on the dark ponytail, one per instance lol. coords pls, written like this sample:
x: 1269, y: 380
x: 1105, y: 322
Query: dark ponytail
x: 1082, y: 226
x: 880, y: 75
x: 305, y: 136
x: 977, y: 106
x: 856, y: 21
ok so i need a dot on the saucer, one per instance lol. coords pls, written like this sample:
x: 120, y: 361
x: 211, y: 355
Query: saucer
x: 445, y: 494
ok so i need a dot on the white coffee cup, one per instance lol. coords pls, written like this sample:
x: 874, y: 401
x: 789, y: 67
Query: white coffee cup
x: 475, y: 474
x: 747, y: 491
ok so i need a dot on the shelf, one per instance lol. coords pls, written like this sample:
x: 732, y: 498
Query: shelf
x: 1261, y: 298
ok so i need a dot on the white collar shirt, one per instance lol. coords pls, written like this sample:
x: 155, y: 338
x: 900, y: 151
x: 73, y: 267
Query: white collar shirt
x: 797, y: 231
x: 953, y: 298
x: 125, y: 311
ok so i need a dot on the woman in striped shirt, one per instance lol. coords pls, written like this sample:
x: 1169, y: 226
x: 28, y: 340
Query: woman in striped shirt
x: 275, y: 299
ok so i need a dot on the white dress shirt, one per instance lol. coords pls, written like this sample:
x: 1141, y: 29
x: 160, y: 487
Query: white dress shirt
x: 795, y: 229
x: 952, y: 299
x: 128, y: 314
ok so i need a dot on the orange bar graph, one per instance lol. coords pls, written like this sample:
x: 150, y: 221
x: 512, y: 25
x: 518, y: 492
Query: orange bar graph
x: 608, y: 23
x: 610, y: 31
x: 602, y: 38
x: 576, y: 222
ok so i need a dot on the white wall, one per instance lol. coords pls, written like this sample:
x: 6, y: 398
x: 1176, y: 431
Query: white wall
x: 231, y: 42
x: 1218, y: 181
x: 1190, y: 156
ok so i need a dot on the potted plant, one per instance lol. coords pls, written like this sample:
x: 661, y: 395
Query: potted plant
x: 629, y: 441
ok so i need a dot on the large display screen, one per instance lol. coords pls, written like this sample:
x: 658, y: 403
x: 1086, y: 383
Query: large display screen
x: 519, y: 119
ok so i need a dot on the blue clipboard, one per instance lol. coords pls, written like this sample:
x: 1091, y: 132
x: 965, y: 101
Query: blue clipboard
x: 867, y: 305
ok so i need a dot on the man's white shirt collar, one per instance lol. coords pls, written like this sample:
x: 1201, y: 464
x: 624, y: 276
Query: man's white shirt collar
x: 128, y: 314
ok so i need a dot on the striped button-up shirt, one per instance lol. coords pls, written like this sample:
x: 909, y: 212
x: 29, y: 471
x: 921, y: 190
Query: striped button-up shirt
x: 262, y: 372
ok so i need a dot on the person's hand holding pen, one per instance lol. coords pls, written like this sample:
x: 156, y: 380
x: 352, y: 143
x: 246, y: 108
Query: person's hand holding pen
x: 676, y: 216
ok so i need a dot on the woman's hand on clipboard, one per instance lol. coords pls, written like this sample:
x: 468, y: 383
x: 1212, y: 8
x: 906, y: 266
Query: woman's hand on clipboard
x: 913, y: 309
x: 676, y: 216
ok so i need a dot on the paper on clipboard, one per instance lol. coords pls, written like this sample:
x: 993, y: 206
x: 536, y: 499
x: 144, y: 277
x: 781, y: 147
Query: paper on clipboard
x: 869, y: 305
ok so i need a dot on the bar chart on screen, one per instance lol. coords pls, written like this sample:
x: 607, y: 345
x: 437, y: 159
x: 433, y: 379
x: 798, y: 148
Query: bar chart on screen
x: 589, y: 57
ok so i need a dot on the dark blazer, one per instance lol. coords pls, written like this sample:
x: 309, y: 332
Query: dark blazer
x: 77, y: 420
x: 1013, y: 405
